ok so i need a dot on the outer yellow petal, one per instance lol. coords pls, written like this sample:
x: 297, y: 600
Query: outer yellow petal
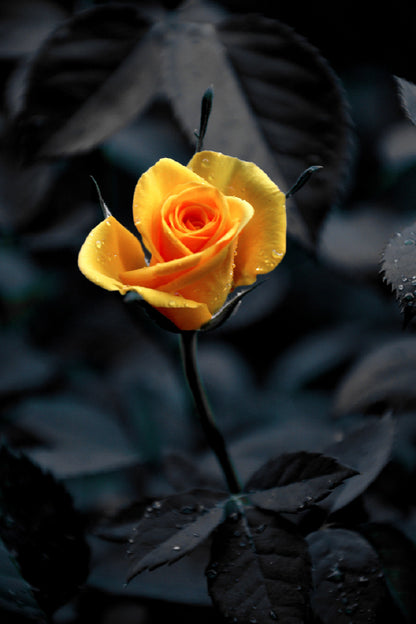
x: 109, y: 250
x: 185, y: 314
x: 262, y: 243
x: 163, y: 179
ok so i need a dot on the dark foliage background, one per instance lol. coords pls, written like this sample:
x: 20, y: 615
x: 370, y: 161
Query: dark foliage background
x: 94, y: 397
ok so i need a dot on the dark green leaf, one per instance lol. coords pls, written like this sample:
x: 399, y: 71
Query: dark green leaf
x: 91, y: 76
x: 15, y: 593
x: 399, y: 268
x: 299, y: 480
x: 348, y: 584
x: 367, y: 449
x: 25, y: 23
x: 174, y: 526
x: 407, y: 93
x: 386, y: 377
x: 397, y: 555
x: 39, y: 524
x: 273, y: 84
x: 77, y: 438
x: 259, y: 571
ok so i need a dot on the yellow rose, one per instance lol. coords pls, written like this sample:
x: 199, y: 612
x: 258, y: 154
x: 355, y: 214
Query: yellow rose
x: 208, y: 227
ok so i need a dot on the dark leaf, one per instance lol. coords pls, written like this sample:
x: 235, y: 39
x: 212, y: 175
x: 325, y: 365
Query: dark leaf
x: 78, y: 438
x: 270, y: 82
x: 397, y: 555
x: 399, y: 268
x: 25, y: 23
x: 386, y: 376
x: 91, y: 76
x: 367, y: 449
x: 15, y: 593
x: 299, y: 480
x: 173, y: 527
x: 407, y: 94
x: 348, y: 584
x: 39, y: 523
x: 23, y: 367
x: 352, y: 240
x: 259, y: 570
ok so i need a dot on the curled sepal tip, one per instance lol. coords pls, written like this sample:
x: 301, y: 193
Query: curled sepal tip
x: 104, y: 207
x: 302, y: 180
x: 206, y: 105
x: 228, y: 309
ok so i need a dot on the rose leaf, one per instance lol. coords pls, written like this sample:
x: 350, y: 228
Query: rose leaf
x: 367, y: 449
x: 407, y: 96
x: 92, y: 75
x: 399, y: 268
x: 384, y: 377
x: 348, y: 584
x: 271, y: 82
x: 15, y: 593
x: 259, y: 570
x: 39, y: 523
x: 397, y: 555
x: 294, y: 481
x: 174, y: 526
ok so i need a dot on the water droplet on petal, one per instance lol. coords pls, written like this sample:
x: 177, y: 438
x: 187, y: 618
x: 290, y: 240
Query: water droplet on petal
x: 98, y: 244
x: 176, y: 548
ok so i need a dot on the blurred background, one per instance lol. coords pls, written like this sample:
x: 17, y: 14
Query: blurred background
x: 92, y: 390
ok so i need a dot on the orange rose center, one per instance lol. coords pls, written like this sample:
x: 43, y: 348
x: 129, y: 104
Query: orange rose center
x: 191, y: 220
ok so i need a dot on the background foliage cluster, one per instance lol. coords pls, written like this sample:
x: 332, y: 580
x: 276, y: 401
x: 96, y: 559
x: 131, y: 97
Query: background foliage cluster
x: 99, y: 436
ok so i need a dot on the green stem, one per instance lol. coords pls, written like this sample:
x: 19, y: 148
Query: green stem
x: 212, y: 433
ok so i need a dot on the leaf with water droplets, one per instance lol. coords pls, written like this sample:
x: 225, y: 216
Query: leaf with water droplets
x: 348, y: 583
x: 399, y: 268
x: 295, y: 481
x: 259, y: 570
x: 173, y: 527
x: 397, y: 554
x: 15, y: 593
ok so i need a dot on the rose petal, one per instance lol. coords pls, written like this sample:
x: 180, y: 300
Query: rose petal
x: 262, y: 243
x: 205, y: 276
x: 185, y: 314
x: 165, y: 178
x: 109, y: 250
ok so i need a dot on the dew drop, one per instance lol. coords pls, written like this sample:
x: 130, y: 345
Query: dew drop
x: 408, y: 297
x: 156, y: 504
x: 277, y: 254
x: 176, y: 548
x: 273, y: 615
x: 98, y: 244
x: 409, y: 241
x: 400, y: 287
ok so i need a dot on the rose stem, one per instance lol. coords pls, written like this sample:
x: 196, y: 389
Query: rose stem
x: 212, y: 433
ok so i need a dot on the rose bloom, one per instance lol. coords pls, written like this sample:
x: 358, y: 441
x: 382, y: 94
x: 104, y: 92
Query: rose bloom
x: 209, y: 227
